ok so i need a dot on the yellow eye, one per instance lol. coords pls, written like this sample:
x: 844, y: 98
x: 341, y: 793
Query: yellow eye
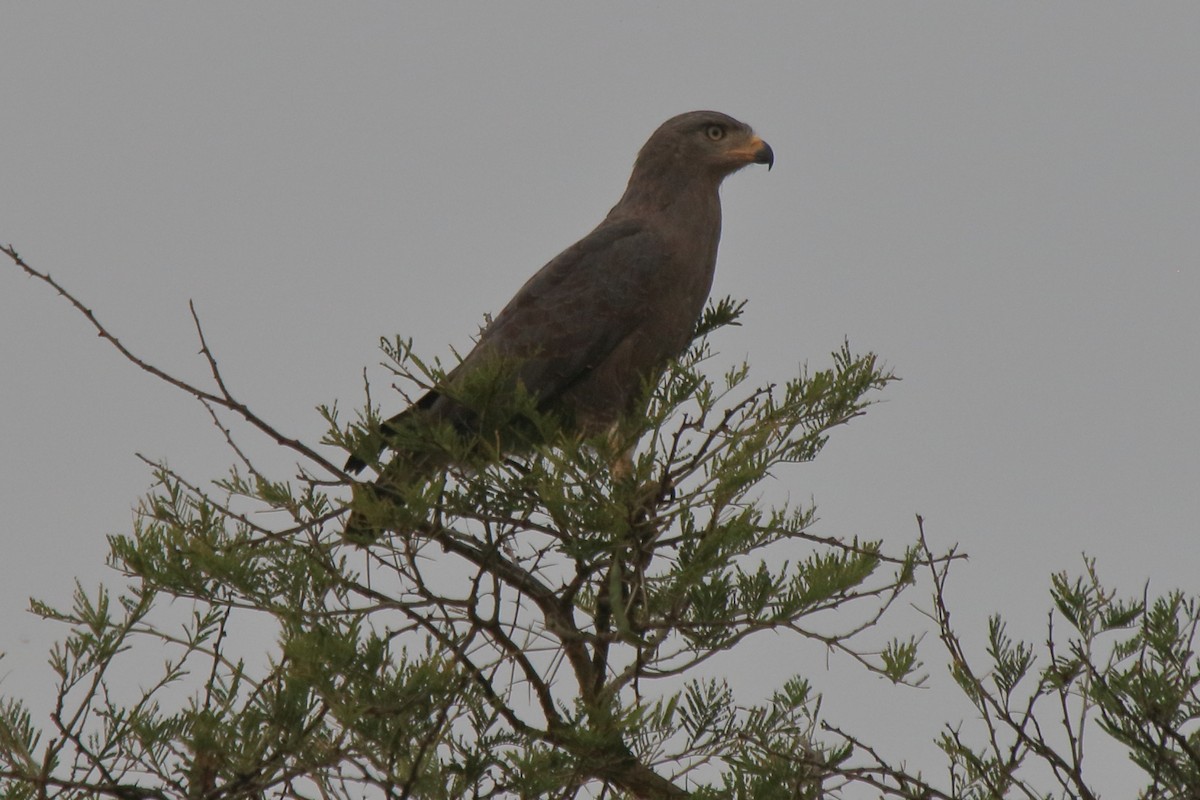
x: 715, y: 132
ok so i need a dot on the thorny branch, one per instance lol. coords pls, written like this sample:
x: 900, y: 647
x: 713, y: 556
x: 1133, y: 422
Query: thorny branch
x: 996, y: 714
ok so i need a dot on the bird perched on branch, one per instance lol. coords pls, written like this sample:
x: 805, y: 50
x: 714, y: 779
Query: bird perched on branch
x: 586, y: 334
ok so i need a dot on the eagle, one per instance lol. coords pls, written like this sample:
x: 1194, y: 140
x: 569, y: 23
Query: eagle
x: 592, y: 328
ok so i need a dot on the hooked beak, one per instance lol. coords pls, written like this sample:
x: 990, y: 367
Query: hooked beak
x: 764, y: 155
x: 754, y: 151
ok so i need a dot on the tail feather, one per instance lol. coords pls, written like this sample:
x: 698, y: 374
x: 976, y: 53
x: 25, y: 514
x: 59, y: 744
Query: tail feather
x: 373, y: 504
x: 359, y: 526
x: 389, y: 428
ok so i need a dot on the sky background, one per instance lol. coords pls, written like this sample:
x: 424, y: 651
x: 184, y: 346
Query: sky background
x: 1001, y: 200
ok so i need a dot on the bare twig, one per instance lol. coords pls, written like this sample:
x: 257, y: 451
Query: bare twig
x: 223, y: 398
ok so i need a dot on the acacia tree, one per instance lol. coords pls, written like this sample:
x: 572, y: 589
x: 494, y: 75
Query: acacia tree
x: 536, y: 627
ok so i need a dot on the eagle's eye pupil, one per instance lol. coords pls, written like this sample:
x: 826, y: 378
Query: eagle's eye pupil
x: 715, y: 132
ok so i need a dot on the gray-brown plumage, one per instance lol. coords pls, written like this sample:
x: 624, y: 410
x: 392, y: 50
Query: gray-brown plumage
x: 590, y: 328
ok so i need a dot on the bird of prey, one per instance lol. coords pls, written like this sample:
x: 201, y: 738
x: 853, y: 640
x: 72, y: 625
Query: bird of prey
x: 586, y: 334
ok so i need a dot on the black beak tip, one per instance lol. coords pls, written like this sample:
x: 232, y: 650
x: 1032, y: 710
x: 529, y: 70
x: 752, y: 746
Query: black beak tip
x: 765, y: 155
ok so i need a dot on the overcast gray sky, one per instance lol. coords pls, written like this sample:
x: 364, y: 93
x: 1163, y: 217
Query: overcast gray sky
x: 1002, y: 200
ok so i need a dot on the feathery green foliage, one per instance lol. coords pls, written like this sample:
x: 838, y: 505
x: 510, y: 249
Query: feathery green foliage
x: 534, y: 625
